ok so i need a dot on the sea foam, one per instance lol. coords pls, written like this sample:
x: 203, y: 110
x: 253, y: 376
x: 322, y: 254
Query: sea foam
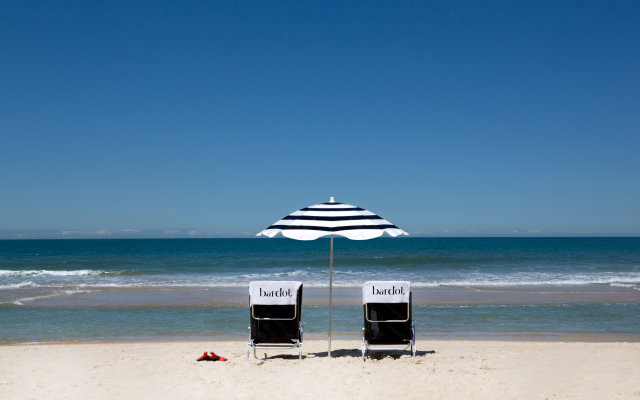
x: 45, y: 272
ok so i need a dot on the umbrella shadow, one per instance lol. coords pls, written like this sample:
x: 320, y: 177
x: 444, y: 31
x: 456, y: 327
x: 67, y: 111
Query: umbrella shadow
x: 338, y: 353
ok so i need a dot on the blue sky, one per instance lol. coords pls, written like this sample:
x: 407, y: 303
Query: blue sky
x: 218, y: 118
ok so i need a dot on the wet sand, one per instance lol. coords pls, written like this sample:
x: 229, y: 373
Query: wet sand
x: 238, y: 296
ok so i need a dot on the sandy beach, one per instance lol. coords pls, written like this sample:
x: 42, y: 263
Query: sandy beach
x: 442, y: 370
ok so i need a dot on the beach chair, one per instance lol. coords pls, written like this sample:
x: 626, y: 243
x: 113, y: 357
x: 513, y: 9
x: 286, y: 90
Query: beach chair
x: 387, y: 317
x: 275, y: 310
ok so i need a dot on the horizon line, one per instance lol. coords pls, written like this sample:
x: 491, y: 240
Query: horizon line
x: 19, y: 237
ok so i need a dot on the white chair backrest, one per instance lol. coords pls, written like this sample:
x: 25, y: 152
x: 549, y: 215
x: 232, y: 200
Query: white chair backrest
x: 273, y: 292
x: 386, y: 292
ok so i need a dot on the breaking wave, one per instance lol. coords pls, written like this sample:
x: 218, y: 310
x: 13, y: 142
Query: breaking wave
x: 19, y: 285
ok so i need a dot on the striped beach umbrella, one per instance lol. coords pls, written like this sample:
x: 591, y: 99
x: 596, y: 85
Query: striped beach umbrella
x: 330, y: 219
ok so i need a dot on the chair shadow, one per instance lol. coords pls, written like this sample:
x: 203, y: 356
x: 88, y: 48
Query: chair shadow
x: 371, y: 354
x: 381, y: 355
x: 280, y: 357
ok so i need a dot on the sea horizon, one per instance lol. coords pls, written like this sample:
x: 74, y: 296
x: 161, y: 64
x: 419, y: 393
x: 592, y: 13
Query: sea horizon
x: 57, y: 235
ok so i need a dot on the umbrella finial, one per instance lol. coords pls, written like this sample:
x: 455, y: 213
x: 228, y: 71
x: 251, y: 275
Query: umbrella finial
x: 332, y: 200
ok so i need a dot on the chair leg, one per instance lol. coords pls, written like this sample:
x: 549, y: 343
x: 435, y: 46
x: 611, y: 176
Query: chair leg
x: 363, y: 345
x: 413, y: 338
x: 301, y: 329
x: 249, y: 343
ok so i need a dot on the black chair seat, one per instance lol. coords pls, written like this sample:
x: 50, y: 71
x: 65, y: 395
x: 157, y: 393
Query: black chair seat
x: 388, y: 332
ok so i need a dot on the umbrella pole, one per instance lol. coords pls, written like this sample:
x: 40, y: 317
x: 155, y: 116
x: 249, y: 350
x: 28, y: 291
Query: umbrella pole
x: 330, y: 290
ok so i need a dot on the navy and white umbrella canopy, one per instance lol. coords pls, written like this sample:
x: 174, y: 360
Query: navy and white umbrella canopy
x: 329, y: 219
x: 332, y: 218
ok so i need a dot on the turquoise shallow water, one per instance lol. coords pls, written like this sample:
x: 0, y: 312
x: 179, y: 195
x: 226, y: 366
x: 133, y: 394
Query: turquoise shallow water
x: 34, y: 274
x: 546, y: 321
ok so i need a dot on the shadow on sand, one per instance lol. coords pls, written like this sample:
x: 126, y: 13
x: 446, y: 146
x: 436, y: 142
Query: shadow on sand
x: 372, y: 354
x: 353, y: 353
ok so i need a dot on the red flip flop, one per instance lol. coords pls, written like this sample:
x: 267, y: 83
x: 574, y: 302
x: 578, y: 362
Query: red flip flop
x: 217, y: 357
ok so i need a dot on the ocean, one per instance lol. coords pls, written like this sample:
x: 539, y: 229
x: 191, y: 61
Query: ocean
x: 131, y: 289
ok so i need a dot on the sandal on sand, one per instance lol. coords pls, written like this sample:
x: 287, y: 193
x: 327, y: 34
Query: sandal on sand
x: 216, y: 357
x: 212, y: 357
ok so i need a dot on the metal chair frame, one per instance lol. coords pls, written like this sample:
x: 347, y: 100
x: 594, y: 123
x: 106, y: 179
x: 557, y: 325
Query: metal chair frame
x: 298, y: 342
x: 373, y: 347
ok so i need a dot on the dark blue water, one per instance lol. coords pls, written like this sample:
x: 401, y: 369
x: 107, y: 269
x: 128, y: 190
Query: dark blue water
x: 426, y: 262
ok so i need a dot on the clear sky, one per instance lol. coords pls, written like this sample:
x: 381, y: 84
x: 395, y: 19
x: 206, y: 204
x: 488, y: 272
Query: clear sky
x: 203, y: 118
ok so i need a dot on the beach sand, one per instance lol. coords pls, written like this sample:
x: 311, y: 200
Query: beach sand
x: 442, y: 370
